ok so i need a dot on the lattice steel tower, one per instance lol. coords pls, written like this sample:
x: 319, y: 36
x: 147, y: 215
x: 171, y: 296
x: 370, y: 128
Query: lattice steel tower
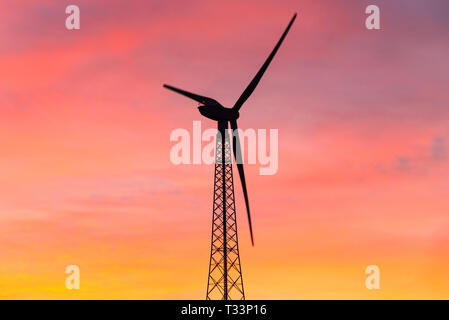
x: 225, y: 280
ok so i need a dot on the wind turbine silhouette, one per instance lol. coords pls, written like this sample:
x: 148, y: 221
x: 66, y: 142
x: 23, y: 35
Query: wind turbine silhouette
x: 213, y: 110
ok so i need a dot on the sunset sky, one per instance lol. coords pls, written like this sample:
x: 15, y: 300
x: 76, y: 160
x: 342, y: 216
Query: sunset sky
x: 85, y: 171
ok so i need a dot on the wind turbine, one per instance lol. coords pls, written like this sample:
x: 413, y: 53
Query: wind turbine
x: 224, y: 268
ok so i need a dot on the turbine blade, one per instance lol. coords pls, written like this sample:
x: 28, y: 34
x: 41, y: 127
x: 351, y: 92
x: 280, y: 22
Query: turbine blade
x: 238, y: 159
x: 249, y: 90
x: 200, y: 99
